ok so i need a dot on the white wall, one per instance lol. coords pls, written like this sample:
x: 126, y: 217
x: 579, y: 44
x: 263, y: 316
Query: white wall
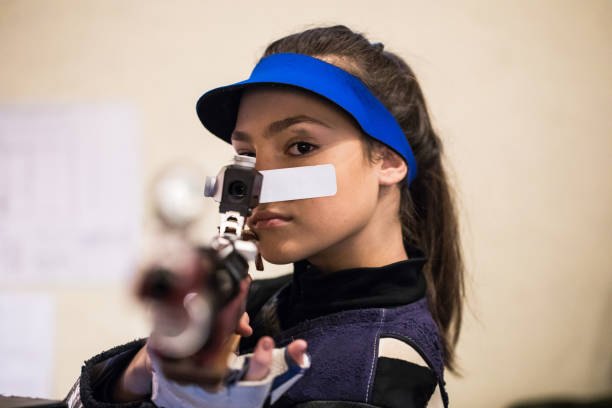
x: 519, y: 90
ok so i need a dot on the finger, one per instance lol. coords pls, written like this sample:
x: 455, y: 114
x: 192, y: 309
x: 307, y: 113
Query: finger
x: 259, y: 365
x: 244, y: 329
x: 296, y: 350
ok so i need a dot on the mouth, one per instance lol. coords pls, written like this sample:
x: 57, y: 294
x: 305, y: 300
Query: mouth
x: 268, y: 219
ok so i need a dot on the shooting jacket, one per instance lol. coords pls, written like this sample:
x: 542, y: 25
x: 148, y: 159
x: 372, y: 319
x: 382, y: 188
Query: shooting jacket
x: 343, y: 316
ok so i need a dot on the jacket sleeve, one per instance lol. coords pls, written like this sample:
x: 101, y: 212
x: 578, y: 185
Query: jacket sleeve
x: 94, y: 387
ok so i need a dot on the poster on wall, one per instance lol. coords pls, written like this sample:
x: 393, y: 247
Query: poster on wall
x: 69, y: 193
x: 27, y: 338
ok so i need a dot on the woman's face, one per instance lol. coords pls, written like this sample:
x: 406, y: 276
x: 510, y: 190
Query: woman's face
x: 289, y: 128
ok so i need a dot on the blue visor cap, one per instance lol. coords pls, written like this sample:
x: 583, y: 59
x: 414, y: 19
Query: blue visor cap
x: 218, y: 108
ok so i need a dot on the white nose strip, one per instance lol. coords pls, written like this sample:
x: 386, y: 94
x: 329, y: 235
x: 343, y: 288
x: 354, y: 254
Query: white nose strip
x: 297, y: 183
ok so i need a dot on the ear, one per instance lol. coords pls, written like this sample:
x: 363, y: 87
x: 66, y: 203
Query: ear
x: 391, y: 167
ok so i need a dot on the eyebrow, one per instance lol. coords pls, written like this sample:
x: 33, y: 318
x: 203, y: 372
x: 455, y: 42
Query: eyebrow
x: 278, y: 126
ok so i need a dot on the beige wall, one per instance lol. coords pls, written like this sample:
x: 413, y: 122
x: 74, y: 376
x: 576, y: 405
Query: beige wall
x: 519, y: 90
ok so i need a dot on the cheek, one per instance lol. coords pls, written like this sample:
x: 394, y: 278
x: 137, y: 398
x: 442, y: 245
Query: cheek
x: 357, y: 184
x: 349, y: 209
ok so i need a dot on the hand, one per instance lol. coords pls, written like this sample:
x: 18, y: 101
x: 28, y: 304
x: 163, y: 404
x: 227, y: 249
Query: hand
x: 252, y: 392
x: 205, y: 369
x: 135, y: 382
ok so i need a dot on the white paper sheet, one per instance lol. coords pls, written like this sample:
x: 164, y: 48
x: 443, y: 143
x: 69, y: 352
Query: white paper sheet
x: 297, y: 183
x: 27, y: 324
x: 69, y: 193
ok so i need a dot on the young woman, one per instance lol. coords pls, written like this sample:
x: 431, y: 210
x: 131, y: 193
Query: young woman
x: 377, y: 288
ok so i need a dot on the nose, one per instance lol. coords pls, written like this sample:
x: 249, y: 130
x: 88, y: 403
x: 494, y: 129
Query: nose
x: 264, y: 162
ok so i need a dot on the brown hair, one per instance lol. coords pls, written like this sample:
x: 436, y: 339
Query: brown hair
x: 427, y: 209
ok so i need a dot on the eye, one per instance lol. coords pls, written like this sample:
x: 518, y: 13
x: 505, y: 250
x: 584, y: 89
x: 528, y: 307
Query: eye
x: 301, y: 148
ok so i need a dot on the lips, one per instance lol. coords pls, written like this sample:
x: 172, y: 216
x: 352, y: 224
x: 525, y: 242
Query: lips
x: 268, y: 219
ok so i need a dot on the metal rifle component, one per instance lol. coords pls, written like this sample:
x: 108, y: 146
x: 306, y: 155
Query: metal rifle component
x: 237, y: 187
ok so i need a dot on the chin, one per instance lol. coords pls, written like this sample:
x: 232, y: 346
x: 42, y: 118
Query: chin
x: 281, y: 253
x: 279, y: 260
x: 279, y: 257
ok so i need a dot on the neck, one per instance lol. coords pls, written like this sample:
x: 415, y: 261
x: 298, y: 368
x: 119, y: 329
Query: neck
x: 377, y: 244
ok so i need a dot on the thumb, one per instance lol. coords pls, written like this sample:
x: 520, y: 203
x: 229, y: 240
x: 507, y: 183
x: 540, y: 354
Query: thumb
x: 259, y: 366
